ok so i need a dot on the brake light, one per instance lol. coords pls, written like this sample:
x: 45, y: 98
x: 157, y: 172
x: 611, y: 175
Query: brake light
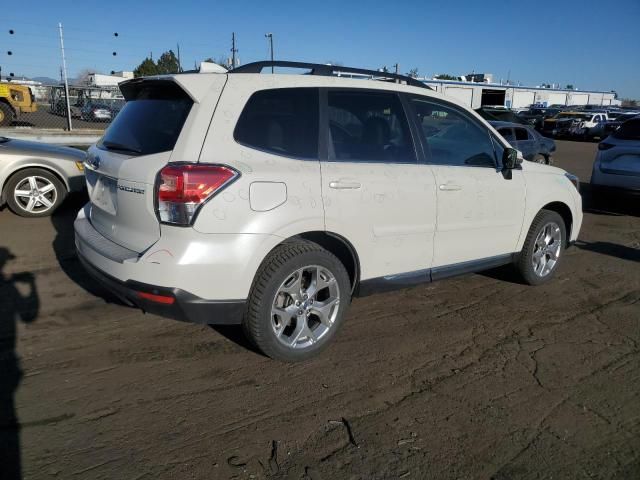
x: 183, y: 188
x: 605, y: 146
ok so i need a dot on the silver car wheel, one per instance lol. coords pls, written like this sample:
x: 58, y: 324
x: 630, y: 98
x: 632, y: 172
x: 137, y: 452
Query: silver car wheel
x: 547, y: 248
x: 305, y: 307
x: 35, y: 194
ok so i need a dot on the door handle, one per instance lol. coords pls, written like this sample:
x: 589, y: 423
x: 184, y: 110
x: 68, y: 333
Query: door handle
x: 344, y: 185
x: 450, y: 187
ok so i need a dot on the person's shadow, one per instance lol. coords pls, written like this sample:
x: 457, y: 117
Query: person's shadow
x: 18, y: 302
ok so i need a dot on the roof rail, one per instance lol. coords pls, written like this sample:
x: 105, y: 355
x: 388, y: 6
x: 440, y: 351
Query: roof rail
x: 328, y: 71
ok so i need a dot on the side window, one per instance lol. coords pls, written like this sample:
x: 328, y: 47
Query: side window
x: 283, y: 121
x: 368, y: 127
x: 521, y: 134
x: 507, y: 133
x: 452, y: 138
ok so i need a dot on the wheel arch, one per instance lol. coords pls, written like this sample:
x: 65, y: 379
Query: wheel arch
x: 564, y: 211
x: 47, y: 168
x: 337, y: 245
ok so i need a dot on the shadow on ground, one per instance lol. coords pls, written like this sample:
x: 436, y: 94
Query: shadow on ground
x: 65, y: 249
x: 19, y: 302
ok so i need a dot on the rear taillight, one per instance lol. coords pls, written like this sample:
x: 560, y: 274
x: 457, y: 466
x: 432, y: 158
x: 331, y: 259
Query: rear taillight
x: 605, y: 146
x: 183, y: 188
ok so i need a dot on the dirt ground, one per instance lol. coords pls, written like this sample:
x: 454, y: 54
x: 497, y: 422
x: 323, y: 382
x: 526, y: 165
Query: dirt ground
x: 473, y: 377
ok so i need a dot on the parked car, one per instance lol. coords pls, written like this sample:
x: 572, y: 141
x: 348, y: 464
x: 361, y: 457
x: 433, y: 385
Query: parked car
x: 605, y: 129
x: 617, y: 165
x: 536, y: 116
x: 270, y: 200
x: 560, y: 125
x: 36, y: 177
x: 96, y: 112
x: 534, y: 147
x: 589, y: 125
x: 500, y: 114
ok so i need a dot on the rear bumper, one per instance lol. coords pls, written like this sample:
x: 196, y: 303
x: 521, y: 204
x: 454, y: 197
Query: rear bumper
x: 175, y: 303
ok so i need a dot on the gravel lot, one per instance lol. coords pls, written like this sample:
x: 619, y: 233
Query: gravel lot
x: 473, y: 377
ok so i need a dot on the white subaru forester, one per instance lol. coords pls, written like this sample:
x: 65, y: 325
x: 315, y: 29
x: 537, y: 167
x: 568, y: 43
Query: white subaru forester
x: 269, y: 200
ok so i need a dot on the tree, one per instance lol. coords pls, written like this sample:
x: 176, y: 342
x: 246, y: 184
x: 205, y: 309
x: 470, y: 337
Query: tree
x: 146, y: 68
x: 413, y: 73
x: 569, y: 86
x: 168, y: 63
x: 628, y: 102
x: 445, y: 76
x: 385, y: 69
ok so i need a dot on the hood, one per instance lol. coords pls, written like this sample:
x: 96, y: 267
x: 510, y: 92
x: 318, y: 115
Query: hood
x: 35, y: 149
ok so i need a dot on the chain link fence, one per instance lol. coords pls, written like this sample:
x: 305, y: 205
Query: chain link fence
x: 90, y: 108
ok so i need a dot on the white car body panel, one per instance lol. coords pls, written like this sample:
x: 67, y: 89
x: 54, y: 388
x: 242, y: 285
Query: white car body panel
x: 398, y: 221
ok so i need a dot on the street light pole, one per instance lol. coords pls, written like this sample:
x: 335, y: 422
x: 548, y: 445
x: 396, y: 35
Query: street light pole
x: 66, y: 82
x: 270, y: 37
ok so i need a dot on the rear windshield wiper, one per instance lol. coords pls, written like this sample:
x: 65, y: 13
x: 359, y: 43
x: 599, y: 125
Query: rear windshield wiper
x: 109, y: 145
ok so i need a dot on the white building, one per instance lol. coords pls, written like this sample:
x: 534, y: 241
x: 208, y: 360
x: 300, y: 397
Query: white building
x: 101, y: 80
x: 476, y: 95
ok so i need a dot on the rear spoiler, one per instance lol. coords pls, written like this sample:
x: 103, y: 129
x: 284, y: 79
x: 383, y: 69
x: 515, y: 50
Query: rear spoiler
x: 192, y: 86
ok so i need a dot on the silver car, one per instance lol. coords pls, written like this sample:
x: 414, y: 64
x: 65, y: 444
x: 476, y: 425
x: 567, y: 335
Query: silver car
x: 617, y: 165
x: 35, y: 177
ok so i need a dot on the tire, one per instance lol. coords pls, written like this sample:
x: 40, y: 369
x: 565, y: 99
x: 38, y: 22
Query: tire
x: 539, y: 159
x: 530, y: 260
x: 6, y: 115
x: 39, y: 199
x: 284, y: 324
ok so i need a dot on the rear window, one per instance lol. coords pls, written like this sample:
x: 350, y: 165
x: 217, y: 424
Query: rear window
x: 282, y: 121
x: 629, y: 130
x: 150, y: 121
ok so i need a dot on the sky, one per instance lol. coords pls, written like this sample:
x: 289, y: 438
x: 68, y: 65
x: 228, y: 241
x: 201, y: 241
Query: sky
x: 591, y: 44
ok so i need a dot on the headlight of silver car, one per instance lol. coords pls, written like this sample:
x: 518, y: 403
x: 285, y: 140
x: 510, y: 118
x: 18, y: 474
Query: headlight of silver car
x: 573, y: 179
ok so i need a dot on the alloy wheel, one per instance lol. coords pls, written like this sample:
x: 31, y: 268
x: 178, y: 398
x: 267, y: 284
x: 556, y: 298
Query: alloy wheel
x: 35, y: 194
x: 305, y: 307
x: 547, y: 248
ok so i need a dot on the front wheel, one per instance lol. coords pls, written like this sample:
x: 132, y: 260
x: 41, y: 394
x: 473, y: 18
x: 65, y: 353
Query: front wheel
x: 543, y: 248
x: 298, y: 301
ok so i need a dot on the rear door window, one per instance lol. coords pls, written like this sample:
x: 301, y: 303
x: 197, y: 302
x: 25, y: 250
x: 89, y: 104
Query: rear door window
x: 282, y: 121
x: 368, y: 127
x: 150, y: 121
x: 507, y: 133
x: 521, y: 134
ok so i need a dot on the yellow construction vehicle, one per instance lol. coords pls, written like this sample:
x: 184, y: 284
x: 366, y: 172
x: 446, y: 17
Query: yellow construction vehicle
x: 14, y: 100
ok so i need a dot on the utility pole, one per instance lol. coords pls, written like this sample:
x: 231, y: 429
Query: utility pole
x: 66, y: 81
x: 270, y: 37
x: 179, y: 63
x: 234, y: 50
x: 397, y: 67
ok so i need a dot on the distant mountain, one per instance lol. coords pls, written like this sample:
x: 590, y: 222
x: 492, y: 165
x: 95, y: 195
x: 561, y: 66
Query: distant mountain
x: 46, y: 80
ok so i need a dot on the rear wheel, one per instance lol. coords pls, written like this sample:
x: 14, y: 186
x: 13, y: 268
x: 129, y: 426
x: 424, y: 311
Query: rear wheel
x: 6, y: 115
x: 543, y: 247
x: 297, y: 302
x: 34, y: 192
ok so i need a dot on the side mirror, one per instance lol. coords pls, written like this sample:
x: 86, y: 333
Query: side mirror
x: 510, y: 159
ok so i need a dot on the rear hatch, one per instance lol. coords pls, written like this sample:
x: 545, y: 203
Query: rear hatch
x: 121, y: 169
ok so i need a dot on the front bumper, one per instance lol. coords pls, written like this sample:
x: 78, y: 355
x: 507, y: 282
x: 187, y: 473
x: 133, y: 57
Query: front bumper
x: 175, y: 303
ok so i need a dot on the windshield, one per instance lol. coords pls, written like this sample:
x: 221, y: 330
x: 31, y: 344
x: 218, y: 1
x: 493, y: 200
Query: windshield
x: 150, y: 122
